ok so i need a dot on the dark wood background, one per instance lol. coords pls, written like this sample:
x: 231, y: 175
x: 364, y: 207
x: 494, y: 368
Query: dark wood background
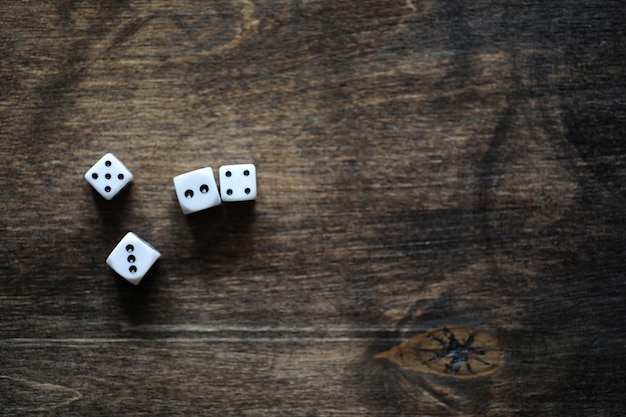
x: 421, y: 164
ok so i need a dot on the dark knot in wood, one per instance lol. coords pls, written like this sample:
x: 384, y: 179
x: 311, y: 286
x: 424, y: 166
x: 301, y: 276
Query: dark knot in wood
x: 459, y: 351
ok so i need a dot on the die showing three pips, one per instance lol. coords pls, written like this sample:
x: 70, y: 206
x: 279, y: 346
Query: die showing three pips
x: 133, y: 257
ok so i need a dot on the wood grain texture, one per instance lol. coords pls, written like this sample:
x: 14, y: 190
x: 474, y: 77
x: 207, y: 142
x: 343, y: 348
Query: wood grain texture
x: 421, y: 165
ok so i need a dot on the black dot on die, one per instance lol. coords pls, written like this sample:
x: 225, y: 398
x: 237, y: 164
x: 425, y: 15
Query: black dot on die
x: 188, y: 194
x: 131, y: 259
x: 204, y: 188
x: 107, y: 176
x: 228, y: 173
x: 107, y: 163
x: 132, y: 269
x: 246, y: 173
x: 120, y: 176
x: 94, y: 176
x: 107, y: 189
x: 247, y: 190
x: 229, y: 192
x: 130, y: 248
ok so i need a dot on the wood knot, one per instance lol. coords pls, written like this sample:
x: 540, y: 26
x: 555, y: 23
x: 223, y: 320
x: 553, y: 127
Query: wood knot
x: 458, y: 351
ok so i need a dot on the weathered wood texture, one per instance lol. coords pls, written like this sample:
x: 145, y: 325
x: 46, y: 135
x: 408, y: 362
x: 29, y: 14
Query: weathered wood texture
x: 426, y: 169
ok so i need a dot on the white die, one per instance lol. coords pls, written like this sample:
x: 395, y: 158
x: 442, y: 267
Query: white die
x: 132, y: 258
x: 238, y: 182
x: 108, y: 176
x: 197, y: 190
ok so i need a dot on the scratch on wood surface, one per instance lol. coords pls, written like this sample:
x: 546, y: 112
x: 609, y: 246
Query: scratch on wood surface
x: 185, y: 340
x: 409, y: 5
x: 245, y: 27
x: 19, y: 394
x: 248, y: 27
x: 133, y: 21
x: 190, y: 334
x: 412, y: 8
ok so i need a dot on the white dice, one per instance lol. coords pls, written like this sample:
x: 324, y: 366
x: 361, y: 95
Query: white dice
x: 197, y: 190
x: 108, y: 176
x: 132, y: 258
x: 238, y: 182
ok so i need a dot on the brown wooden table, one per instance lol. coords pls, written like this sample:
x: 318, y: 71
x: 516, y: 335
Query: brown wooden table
x: 439, y: 228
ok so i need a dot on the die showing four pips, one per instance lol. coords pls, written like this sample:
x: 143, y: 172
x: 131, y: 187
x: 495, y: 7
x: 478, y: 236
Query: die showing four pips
x: 196, y: 190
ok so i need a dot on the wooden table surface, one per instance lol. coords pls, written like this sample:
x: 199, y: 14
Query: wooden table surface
x: 439, y: 228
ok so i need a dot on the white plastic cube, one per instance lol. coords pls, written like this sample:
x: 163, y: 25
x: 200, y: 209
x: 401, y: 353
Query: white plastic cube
x: 132, y: 258
x: 238, y: 182
x: 197, y: 190
x: 108, y: 176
